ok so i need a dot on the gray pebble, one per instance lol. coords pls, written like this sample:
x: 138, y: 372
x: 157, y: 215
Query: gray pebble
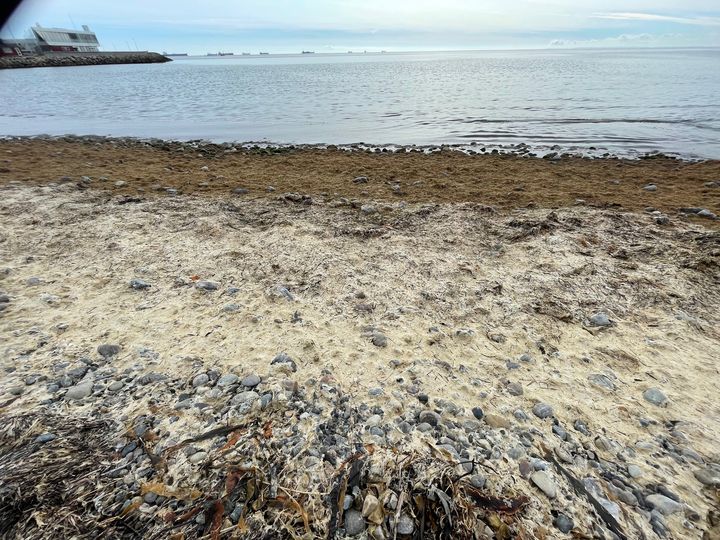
x: 16, y: 390
x: 139, y: 284
x: 602, y: 381
x: 251, y: 381
x: 200, y: 380
x: 108, y: 351
x: 79, y: 391
x: 207, y: 285
x: 663, y: 504
x: 379, y: 340
x: 227, y: 380
x: 115, y: 386
x: 544, y: 483
x: 600, y: 319
x: 478, y: 413
x: 650, y: 187
x: 542, y: 410
x: 354, y: 522
x: 45, y: 437
x: 283, y: 358
x: 197, y: 457
x: 376, y: 391
x: 429, y: 417
x: 563, y: 523
x: 708, y: 476
x: 405, y: 525
x: 514, y: 389
x: 655, y: 396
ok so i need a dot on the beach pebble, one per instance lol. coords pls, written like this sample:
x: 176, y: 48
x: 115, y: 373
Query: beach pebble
x: 33, y: 281
x: 360, y: 180
x: 200, y: 380
x: 478, y: 413
x: 379, y: 340
x: 108, y: 351
x: 600, y: 319
x: 650, y: 187
x: 227, y: 380
x: 542, y: 410
x: 405, y: 525
x: 705, y: 213
x: 429, y: 417
x: 197, y: 457
x: 139, y: 284
x: 514, y: 389
x: 655, y: 396
x: 708, y: 477
x: 45, y: 437
x: 284, y: 360
x: 207, y: 285
x: 79, y: 391
x: 663, y: 504
x: 634, y: 471
x: 16, y: 390
x: 354, y: 522
x: 115, y: 386
x: 563, y: 523
x: 602, y: 381
x: 544, y: 483
x: 251, y: 381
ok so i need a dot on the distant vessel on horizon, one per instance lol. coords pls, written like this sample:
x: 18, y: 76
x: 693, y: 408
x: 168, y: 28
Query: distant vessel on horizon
x: 221, y: 54
x: 246, y: 54
x: 264, y: 53
x: 175, y: 54
x: 308, y: 52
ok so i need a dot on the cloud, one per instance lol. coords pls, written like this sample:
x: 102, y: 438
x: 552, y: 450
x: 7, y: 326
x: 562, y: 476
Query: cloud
x: 620, y: 40
x: 652, y: 17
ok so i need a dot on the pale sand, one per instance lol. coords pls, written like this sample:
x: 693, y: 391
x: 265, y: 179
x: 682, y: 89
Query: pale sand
x: 427, y: 271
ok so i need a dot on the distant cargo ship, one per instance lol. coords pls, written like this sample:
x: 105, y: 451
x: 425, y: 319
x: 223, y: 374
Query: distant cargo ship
x: 221, y: 54
x: 175, y: 54
x: 264, y: 53
x: 246, y: 54
x: 308, y: 52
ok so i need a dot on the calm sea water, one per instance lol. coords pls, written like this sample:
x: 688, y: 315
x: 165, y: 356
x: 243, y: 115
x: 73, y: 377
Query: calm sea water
x: 625, y: 101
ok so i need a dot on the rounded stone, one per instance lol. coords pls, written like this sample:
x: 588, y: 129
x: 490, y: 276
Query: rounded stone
x: 200, y: 380
x: 563, y: 523
x: 429, y: 417
x: 544, y: 483
x: 354, y: 523
x: 600, y: 319
x: 405, y: 525
x: 227, y: 380
x: 197, y: 457
x: 655, y: 396
x: 79, y: 391
x: 251, y: 381
x: 708, y: 477
x: 108, y: 351
x: 542, y: 410
x: 478, y: 413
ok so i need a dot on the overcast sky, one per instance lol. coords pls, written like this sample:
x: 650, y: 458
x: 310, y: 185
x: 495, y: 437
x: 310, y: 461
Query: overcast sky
x: 340, y: 25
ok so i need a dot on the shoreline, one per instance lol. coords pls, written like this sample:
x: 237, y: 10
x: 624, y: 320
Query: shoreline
x: 352, y: 353
x: 153, y: 167
x: 552, y: 152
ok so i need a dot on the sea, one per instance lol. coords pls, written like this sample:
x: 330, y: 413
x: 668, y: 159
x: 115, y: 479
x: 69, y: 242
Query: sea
x: 624, y: 102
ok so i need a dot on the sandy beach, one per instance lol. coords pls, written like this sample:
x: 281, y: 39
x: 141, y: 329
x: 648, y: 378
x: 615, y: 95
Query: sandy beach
x: 209, y: 341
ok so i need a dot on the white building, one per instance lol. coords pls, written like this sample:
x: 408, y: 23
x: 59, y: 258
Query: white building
x: 63, y: 39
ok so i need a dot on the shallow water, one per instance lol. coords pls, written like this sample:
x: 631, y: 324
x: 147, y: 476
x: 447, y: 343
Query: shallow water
x: 625, y: 101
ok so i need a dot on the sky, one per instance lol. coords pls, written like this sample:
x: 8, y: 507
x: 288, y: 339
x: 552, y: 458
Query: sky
x: 288, y: 26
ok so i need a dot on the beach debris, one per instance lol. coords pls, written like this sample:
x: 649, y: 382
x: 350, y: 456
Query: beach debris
x: 650, y: 187
x: 360, y: 180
